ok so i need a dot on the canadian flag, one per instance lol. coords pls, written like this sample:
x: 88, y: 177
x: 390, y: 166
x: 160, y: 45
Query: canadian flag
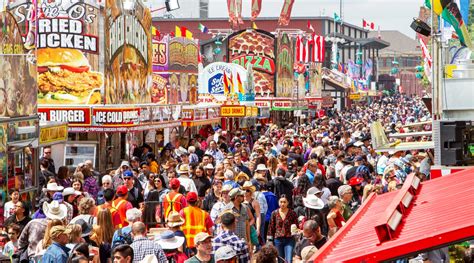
x: 318, y: 51
x: 368, y: 25
x: 302, y: 50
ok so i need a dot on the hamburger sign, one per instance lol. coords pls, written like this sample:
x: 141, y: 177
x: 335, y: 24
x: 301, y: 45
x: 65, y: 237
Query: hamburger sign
x: 67, y: 52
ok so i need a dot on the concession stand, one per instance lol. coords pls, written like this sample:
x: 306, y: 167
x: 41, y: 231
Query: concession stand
x: 419, y: 217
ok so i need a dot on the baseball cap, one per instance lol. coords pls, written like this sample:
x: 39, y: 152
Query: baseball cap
x: 200, y: 237
x: 122, y: 190
x: 127, y: 174
x: 58, y: 196
x: 191, y: 197
x: 223, y: 253
x: 174, y: 183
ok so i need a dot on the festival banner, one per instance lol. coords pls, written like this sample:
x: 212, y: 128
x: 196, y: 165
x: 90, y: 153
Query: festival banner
x: 183, y: 54
x: 74, y: 116
x: 115, y: 117
x: 213, y: 77
x: 257, y: 48
x: 159, y: 94
x: 17, y: 72
x: 160, y: 54
x: 315, y: 80
x: 67, y: 43
x: 284, y: 73
x: 179, y: 87
x: 128, y: 53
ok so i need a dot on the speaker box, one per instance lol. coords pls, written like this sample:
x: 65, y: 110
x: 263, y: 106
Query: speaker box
x: 454, y: 138
x: 421, y: 27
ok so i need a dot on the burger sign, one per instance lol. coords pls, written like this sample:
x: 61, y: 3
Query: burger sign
x: 67, y: 52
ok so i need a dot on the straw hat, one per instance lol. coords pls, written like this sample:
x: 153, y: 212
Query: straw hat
x: 241, y: 175
x: 55, y: 210
x: 174, y: 219
x: 249, y: 186
x: 183, y: 169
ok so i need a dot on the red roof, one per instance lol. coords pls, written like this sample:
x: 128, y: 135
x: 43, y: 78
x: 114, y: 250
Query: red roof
x: 440, y: 213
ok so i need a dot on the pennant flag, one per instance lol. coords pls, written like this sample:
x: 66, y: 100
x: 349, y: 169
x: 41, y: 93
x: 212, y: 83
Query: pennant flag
x: 226, y: 84
x: 232, y: 9
x: 368, y: 25
x: 302, y: 51
x: 256, y: 8
x: 231, y: 83
x: 254, y: 25
x: 238, y: 7
x: 183, y: 32
x: 239, y: 84
x: 310, y: 27
x: 154, y: 31
x: 285, y: 14
x: 318, y: 51
x: 203, y: 28
x: 337, y: 18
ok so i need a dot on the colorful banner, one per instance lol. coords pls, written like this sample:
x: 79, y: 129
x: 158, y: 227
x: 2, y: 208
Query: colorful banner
x: 233, y: 111
x: 128, y: 54
x: 257, y: 48
x: 115, y: 117
x: 67, y: 43
x: 285, y: 14
x: 315, y: 80
x: 159, y: 89
x: 80, y: 116
x: 180, y: 87
x: 213, y: 77
x: 284, y: 74
x: 183, y: 54
x: 160, y: 54
x: 17, y: 72
x: 53, y: 134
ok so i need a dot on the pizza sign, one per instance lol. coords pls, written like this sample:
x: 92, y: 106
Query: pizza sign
x: 257, y: 48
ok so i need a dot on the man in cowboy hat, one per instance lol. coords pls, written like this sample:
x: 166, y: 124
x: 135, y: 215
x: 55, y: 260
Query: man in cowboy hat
x: 195, y: 220
x: 142, y: 246
x: 188, y: 183
x: 57, y: 251
x: 34, y: 231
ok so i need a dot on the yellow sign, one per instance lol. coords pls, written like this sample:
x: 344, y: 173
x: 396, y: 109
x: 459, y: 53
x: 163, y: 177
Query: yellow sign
x: 355, y: 96
x: 254, y: 111
x: 233, y: 111
x: 53, y: 134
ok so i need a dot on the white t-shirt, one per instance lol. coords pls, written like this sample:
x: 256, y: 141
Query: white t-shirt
x: 188, y: 184
x: 9, y: 209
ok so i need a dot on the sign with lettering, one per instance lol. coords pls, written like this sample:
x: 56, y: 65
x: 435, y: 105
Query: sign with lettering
x: 160, y: 54
x: 115, y: 116
x: 73, y: 116
x: 213, y: 77
x: 183, y: 54
x: 285, y: 59
x: 187, y: 114
x: 53, y: 134
x: 263, y: 103
x: 282, y: 105
x: 355, y: 96
x: 255, y: 48
x: 233, y: 111
x: 128, y: 53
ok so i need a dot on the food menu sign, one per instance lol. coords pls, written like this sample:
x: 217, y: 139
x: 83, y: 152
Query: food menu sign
x: 128, y: 54
x: 17, y: 73
x: 67, y: 42
x: 160, y: 54
x: 284, y: 73
x: 255, y: 47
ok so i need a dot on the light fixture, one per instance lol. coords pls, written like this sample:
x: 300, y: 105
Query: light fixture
x: 171, y: 5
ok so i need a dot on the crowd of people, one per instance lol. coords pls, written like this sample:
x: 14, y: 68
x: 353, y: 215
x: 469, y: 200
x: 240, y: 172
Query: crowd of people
x: 265, y: 194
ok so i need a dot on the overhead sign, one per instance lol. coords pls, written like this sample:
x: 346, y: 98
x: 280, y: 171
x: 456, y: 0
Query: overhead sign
x: 327, y: 102
x: 263, y: 103
x: 213, y: 77
x: 115, y: 116
x: 355, y: 96
x: 128, y: 53
x: 160, y: 54
x: 282, y: 105
x: 73, y: 116
x: 233, y: 111
x: 53, y: 134
x: 257, y: 48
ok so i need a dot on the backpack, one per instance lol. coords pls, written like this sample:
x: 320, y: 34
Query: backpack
x: 123, y: 239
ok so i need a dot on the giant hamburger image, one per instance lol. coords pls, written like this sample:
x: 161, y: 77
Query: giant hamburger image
x: 65, y: 77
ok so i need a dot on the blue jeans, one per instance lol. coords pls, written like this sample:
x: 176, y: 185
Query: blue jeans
x: 285, y: 247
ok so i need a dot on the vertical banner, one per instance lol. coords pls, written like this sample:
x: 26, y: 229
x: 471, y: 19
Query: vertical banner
x: 17, y: 72
x: 257, y: 48
x: 128, y: 53
x: 67, y: 43
x: 256, y: 8
x: 285, y: 14
x: 285, y: 60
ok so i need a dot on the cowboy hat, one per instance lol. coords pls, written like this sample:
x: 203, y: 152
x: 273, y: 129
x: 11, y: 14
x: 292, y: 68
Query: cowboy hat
x: 54, y: 187
x: 55, y: 210
x: 174, y: 219
x: 261, y: 167
x: 209, y: 166
x: 168, y: 240
x: 249, y: 186
x: 313, y: 202
x: 240, y: 176
x: 183, y: 169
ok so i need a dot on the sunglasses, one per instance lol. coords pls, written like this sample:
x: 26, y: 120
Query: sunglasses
x: 157, y: 181
x: 127, y: 178
x: 47, y: 152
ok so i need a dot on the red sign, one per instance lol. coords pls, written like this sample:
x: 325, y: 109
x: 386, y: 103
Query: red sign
x: 262, y: 103
x: 328, y: 102
x: 115, y: 116
x: 258, y: 62
x: 187, y: 114
x: 282, y: 104
x: 73, y: 116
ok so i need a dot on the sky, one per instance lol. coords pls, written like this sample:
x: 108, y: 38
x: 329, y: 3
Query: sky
x: 388, y: 14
